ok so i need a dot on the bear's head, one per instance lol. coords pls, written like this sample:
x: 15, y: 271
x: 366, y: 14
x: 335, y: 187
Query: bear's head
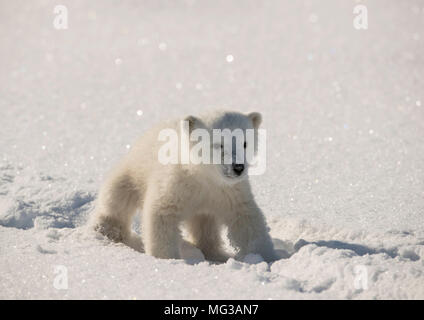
x: 224, y: 143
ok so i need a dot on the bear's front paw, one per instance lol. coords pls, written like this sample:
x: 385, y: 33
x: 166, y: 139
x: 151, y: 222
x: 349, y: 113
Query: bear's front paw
x: 270, y: 256
x: 170, y: 252
x: 217, y: 257
x: 111, y: 231
x: 267, y: 256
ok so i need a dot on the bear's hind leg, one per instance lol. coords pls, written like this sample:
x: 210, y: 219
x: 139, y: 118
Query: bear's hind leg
x: 115, y: 207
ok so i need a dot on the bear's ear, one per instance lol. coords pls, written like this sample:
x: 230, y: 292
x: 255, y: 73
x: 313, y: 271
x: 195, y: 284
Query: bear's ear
x: 256, y: 119
x: 192, y: 122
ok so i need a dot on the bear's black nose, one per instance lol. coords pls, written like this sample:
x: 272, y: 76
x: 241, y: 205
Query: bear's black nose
x: 238, y: 168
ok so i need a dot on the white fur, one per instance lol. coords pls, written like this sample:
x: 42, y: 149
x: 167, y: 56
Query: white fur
x: 196, y: 196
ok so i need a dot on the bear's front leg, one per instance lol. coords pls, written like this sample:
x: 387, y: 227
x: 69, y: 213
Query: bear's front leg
x: 247, y: 231
x: 161, y: 234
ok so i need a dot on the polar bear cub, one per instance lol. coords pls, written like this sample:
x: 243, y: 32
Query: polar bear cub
x: 202, y: 196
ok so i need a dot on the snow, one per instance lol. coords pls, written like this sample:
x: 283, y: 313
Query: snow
x: 343, y: 192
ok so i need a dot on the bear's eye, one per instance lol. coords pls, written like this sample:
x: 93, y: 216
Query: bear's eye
x: 245, y: 145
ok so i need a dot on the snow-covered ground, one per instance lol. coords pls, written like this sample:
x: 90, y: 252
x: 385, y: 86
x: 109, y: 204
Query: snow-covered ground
x: 344, y: 111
